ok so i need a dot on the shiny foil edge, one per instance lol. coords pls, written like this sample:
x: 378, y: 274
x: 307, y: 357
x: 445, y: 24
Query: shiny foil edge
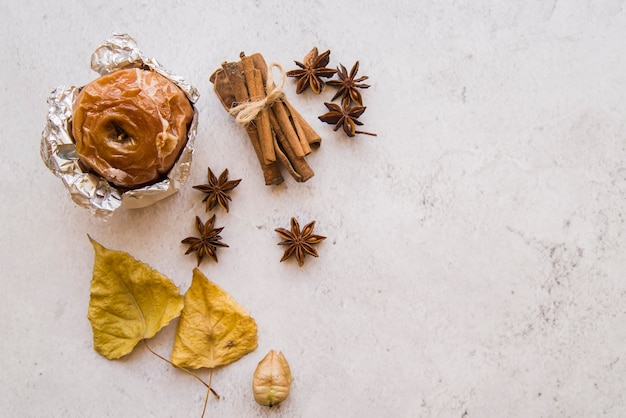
x: 58, y: 150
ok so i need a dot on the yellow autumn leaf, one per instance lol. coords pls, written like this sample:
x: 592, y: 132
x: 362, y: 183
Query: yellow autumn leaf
x: 129, y: 301
x: 213, y: 330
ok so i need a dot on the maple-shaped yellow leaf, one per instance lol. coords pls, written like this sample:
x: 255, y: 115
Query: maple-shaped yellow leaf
x: 129, y: 301
x: 213, y: 330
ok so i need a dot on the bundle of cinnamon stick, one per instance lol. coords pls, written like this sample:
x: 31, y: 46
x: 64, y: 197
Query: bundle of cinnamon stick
x: 276, y: 130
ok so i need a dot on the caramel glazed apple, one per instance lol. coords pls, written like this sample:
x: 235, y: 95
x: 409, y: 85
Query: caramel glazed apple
x: 130, y: 126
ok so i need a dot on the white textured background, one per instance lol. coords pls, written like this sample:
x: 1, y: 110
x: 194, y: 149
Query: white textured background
x: 475, y: 258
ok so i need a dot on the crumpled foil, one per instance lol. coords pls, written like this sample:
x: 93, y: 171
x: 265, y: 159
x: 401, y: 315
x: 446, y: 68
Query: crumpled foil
x: 58, y: 150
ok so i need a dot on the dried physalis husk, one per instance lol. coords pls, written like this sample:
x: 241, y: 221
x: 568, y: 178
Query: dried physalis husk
x: 272, y: 379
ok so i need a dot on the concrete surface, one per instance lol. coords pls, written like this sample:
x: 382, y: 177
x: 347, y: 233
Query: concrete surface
x: 475, y: 258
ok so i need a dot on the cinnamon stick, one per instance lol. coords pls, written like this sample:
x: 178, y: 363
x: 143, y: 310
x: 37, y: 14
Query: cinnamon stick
x: 237, y: 92
x: 222, y: 88
x: 312, y: 137
x: 285, y: 162
x: 296, y: 164
x: 259, y: 64
x: 234, y: 73
x: 267, y: 144
x: 256, y: 91
x: 285, y: 123
x: 304, y: 143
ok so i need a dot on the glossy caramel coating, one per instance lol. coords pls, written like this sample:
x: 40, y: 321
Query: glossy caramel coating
x: 130, y: 126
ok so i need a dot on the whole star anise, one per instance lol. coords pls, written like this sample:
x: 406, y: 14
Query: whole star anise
x: 344, y: 116
x: 313, y: 68
x: 348, y: 84
x: 207, y: 243
x: 217, y: 190
x: 299, y: 243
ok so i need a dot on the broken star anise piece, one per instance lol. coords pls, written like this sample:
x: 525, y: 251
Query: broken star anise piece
x: 344, y: 116
x: 348, y: 84
x: 313, y: 68
x: 207, y: 243
x: 217, y: 190
x: 299, y: 243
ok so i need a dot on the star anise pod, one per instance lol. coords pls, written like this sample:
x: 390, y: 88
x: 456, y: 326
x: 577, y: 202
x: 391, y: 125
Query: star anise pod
x: 348, y: 84
x: 217, y: 190
x: 344, y: 116
x: 299, y: 243
x: 207, y: 243
x: 313, y: 68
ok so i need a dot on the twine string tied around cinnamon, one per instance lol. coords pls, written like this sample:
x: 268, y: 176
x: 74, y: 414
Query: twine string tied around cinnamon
x: 246, y: 112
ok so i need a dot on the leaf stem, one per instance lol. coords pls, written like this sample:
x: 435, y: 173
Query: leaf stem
x: 206, y: 398
x: 208, y: 386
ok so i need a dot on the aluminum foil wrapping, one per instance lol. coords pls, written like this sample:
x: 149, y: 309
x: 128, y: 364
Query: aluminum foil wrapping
x: 58, y: 150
